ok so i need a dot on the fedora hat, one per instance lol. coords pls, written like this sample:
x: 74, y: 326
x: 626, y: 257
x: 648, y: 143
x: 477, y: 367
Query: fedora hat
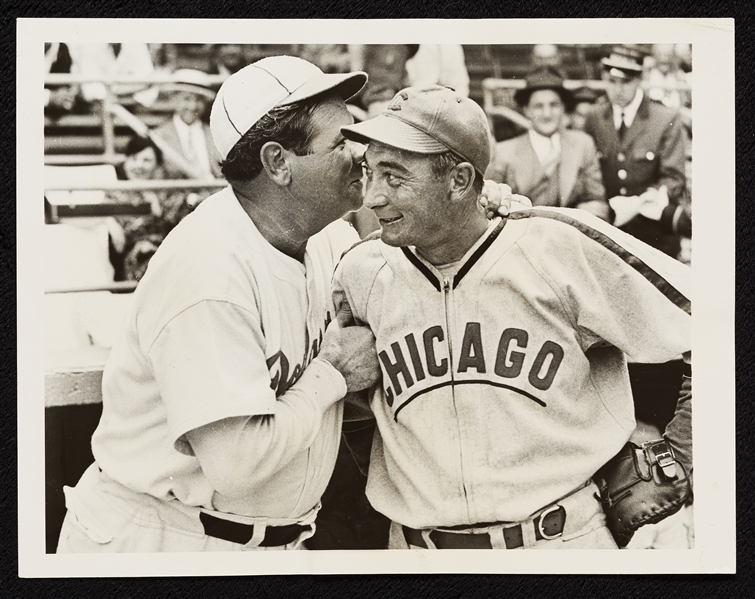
x: 544, y: 78
x: 625, y: 61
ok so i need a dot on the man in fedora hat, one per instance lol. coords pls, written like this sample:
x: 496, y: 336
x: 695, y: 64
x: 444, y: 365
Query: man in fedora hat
x: 642, y: 148
x: 185, y: 131
x: 549, y: 164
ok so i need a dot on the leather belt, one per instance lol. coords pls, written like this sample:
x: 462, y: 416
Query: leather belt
x: 236, y: 532
x: 548, y: 525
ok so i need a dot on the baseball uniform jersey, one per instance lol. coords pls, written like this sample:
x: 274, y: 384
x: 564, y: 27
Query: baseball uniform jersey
x: 505, y: 387
x: 224, y: 325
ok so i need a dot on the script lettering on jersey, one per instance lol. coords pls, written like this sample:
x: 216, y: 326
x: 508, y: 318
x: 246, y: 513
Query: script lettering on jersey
x: 410, y: 360
x: 282, y: 376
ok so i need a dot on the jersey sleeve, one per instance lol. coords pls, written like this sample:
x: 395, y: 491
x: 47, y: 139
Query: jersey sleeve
x: 210, y: 365
x: 354, y: 277
x: 617, y: 290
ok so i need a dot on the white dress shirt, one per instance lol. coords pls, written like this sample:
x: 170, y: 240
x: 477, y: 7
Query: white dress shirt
x: 547, y: 149
x: 630, y: 110
x: 193, y: 143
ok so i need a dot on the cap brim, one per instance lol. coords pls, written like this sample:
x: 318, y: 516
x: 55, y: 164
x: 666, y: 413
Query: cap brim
x: 345, y: 85
x: 626, y: 66
x: 394, y: 132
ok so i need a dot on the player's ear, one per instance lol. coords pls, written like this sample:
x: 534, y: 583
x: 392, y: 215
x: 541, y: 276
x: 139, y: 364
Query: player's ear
x: 275, y: 161
x: 461, y: 180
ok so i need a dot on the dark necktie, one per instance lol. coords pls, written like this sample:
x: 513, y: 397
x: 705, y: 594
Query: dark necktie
x: 622, y: 127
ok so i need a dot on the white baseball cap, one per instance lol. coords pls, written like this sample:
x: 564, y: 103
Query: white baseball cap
x: 191, y: 80
x: 247, y: 95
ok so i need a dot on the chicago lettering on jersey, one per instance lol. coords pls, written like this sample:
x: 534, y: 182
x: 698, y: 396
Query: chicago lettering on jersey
x: 411, y: 360
x: 278, y: 364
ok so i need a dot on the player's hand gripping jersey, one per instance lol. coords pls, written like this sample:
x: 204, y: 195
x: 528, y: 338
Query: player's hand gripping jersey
x: 506, y: 388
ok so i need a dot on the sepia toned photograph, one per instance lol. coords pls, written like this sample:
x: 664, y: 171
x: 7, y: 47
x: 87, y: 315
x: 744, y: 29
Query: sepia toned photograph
x: 375, y: 307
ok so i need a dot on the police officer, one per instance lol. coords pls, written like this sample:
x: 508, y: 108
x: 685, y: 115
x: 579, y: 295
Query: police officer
x: 642, y: 148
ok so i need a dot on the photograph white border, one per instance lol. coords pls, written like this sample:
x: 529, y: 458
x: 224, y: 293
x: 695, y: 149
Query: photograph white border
x: 713, y: 299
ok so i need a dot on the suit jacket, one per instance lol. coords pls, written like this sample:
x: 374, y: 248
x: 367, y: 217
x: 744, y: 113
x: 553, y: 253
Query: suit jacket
x: 169, y: 133
x: 651, y: 154
x: 516, y: 164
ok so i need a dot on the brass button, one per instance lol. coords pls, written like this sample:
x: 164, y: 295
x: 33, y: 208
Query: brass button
x: 622, y: 174
x: 623, y: 191
x: 650, y: 156
x: 621, y: 157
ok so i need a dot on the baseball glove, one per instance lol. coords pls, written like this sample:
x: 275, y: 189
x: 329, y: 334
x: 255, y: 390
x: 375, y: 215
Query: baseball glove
x: 641, y: 485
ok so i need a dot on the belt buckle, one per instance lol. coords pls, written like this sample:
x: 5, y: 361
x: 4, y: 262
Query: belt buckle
x: 659, y: 453
x: 541, y: 519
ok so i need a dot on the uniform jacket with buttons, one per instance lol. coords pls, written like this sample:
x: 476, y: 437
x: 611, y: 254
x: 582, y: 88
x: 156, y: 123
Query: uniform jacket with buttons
x: 652, y: 154
x: 506, y: 387
x: 516, y: 164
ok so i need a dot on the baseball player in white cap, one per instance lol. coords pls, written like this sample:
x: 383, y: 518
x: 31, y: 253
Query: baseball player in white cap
x: 220, y: 423
x: 502, y: 344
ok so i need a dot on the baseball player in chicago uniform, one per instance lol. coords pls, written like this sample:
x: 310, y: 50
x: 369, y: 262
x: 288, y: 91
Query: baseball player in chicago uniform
x: 502, y: 345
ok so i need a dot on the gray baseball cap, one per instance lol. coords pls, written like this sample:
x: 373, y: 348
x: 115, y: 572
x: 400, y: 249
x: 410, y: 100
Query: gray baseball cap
x: 430, y: 120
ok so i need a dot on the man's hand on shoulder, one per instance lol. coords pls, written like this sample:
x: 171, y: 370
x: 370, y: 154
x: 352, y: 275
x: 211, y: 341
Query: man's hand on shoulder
x: 497, y: 199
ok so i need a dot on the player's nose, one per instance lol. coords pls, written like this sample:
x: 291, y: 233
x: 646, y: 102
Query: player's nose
x: 373, y: 197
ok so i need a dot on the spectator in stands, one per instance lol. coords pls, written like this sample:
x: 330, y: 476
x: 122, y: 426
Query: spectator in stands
x: 227, y: 59
x: 642, y: 145
x: 665, y: 81
x: 59, y: 99
x: 386, y: 66
x: 140, y: 236
x: 545, y: 56
x: 186, y: 132
x: 583, y: 100
x: 439, y: 64
x: 106, y: 61
x: 331, y: 58
x: 549, y: 164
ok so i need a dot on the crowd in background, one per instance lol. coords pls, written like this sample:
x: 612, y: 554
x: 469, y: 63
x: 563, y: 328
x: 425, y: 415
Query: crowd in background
x: 180, y: 146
